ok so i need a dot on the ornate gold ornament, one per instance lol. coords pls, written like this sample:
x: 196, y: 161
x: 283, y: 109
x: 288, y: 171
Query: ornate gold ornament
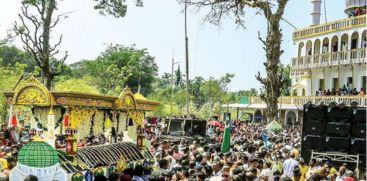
x: 32, y: 92
x: 137, y: 117
x: 126, y: 100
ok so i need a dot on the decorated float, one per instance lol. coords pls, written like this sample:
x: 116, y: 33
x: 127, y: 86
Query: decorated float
x: 90, y: 134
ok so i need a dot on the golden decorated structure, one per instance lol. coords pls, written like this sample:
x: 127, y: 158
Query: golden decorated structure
x: 83, y: 109
x: 82, y: 119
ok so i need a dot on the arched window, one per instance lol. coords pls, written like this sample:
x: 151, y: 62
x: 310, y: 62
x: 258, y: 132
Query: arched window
x: 354, y: 42
x: 344, y: 42
x: 258, y: 116
x: 308, y: 48
x: 364, y: 41
x: 291, y: 118
x: 317, y: 47
x: 334, y: 44
x: 325, y: 45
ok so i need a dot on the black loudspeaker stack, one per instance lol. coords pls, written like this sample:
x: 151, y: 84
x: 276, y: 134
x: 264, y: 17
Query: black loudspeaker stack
x: 336, y: 129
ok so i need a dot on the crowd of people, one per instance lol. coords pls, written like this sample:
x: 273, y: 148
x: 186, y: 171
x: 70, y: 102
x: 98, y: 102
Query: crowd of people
x: 255, y: 154
x: 344, y: 91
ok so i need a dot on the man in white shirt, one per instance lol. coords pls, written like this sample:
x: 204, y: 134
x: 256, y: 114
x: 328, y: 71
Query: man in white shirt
x: 289, y: 164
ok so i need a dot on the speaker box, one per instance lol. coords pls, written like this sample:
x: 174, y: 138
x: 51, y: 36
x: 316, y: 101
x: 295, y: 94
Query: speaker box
x: 358, y: 145
x: 360, y: 116
x: 314, y: 113
x: 337, y: 144
x: 314, y: 126
x: 313, y: 142
x: 362, y: 161
x: 337, y: 129
x: 338, y: 114
x: 358, y: 130
x: 306, y: 155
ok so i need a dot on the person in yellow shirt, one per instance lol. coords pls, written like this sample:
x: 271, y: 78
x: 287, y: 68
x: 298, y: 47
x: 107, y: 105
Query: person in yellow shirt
x: 4, y: 163
x: 312, y: 169
x: 303, y: 168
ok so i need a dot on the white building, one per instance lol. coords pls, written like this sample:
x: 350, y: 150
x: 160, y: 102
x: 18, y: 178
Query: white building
x: 329, y: 56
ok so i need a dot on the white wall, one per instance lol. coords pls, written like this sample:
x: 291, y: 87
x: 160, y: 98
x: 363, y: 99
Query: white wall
x: 359, y: 71
x: 344, y: 73
x: 330, y: 73
x: 317, y: 74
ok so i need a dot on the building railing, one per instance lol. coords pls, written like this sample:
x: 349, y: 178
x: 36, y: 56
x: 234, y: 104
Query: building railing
x: 301, y: 100
x: 330, y: 59
x: 330, y: 27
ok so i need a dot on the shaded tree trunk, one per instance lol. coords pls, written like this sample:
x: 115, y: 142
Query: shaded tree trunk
x: 34, y: 30
x: 273, y: 82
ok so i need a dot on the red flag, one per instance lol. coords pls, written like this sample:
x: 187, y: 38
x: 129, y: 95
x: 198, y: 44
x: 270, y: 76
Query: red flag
x: 14, y: 120
x: 66, y: 120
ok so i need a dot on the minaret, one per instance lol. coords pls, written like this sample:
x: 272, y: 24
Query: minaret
x: 316, y: 12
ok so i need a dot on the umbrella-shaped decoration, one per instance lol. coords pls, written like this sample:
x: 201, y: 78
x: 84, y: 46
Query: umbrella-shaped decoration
x: 215, y: 123
x: 66, y: 120
x: 78, y: 176
x: 98, y: 171
x: 14, y: 121
x: 274, y: 125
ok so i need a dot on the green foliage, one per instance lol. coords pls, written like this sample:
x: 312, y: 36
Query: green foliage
x: 119, y: 66
x: 116, y: 8
x: 286, y: 88
x: 11, y: 55
x: 65, y: 83
x: 206, y: 95
x: 8, y: 78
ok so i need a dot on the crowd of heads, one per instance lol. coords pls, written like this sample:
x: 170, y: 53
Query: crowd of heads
x: 346, y: 90
x: 255, y: 154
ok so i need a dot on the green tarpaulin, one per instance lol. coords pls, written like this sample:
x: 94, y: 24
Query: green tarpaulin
x: 244, y: 100
x: 274, y: 125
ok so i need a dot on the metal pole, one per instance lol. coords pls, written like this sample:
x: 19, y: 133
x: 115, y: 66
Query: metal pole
x: 172, y: 85
x: 172, y: 80
x: 187, y: 62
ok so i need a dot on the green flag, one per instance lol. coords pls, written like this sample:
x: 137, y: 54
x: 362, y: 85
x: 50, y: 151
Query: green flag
x: 226, y: 142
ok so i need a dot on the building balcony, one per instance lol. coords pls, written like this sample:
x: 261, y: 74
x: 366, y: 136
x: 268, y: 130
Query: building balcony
x: 329, y: 59
x: 297, y: 102
x: 334, y: 26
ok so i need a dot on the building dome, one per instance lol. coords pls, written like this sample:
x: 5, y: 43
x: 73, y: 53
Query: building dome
x: 351, y: 6
x: 38, y: 154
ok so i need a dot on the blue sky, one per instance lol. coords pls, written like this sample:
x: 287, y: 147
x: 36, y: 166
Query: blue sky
x: 158, y: 26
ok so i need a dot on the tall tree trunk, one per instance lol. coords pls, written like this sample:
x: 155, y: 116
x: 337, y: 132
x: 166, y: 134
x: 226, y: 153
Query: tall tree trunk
x: 273, y: 53
x: 49, y: 80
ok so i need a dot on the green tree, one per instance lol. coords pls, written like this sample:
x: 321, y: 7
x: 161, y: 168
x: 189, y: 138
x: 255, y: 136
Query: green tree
x: 178, y: 78
x: 117, y: 67
x: 198, y: 96
x: 285, y: 71
x: 9, y: 76
x: 11, y: 55
x: 273, y: 12
x: 38, y: 19
x: 65, y: 83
